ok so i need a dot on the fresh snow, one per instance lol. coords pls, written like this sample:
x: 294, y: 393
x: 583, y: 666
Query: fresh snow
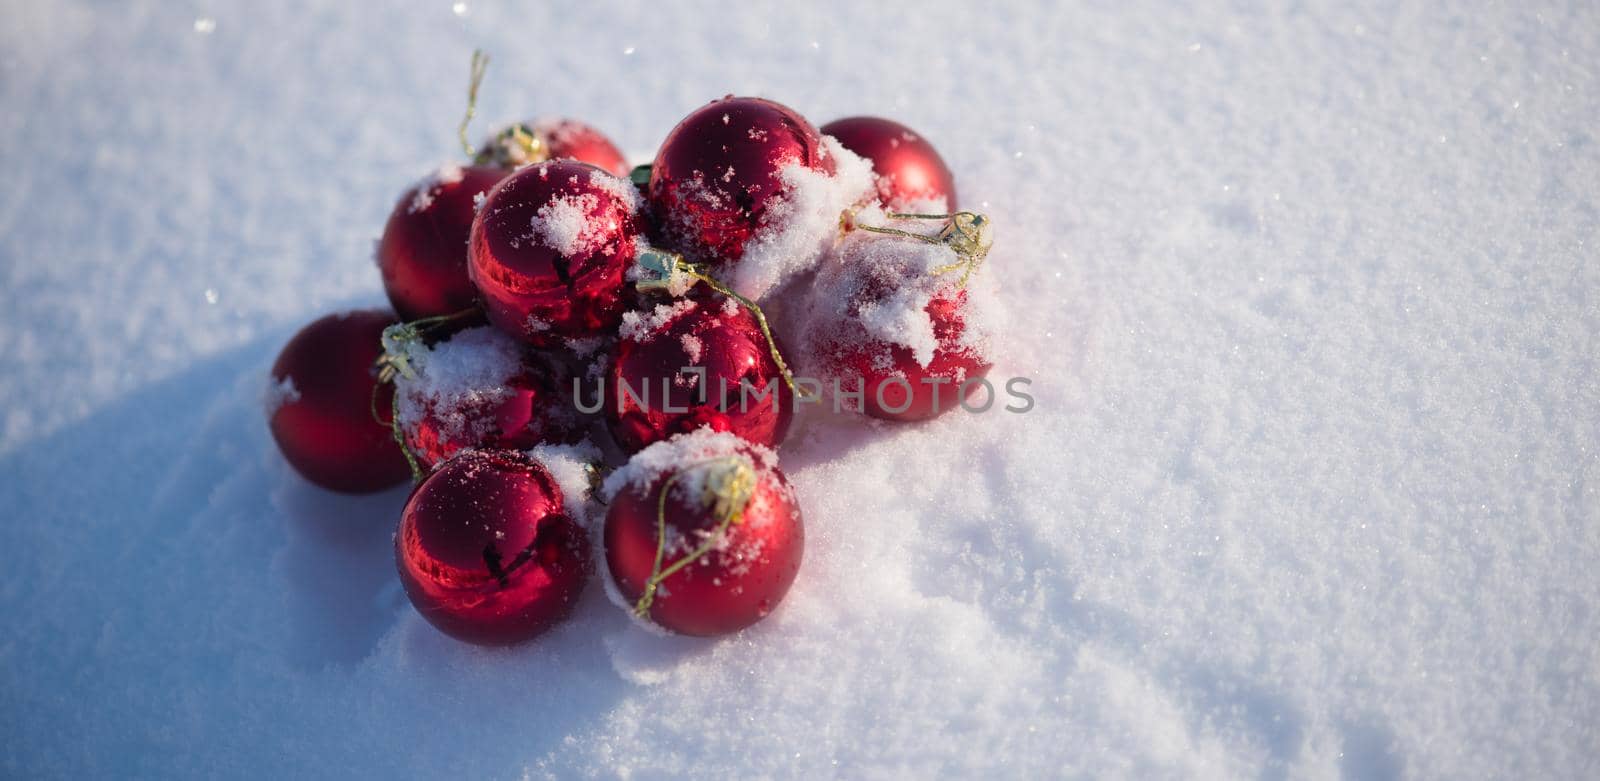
x: 643, y: 324
x: 1307, y: 292
x: 472, y: 370
x: 800, y: 226
x: 426, y: 190
x: 875, y: 289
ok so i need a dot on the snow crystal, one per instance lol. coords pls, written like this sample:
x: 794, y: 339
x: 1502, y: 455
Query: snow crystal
x: 570, y: 465
x: 803, y: 224
x: 878, y: 287
x: 564, y: 225
x: 427, y: 189
x: 692, y: 347
x: 471, y: 370
x: 277, y: 393
x: 584, y: 346
x: 695, y: 447
x: 619, y: 188
x: 638, y: 326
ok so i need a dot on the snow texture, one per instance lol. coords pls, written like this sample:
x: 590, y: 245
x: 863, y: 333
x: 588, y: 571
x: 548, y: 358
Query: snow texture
x: 1307, y: 290
x: 472, y: 370
x: 799, y: 228
x: 569, y: 465
x: 428, y: 189
x: 564, y: 224
x: 875, y: 289
x: 641, y: 325
x: 692, y: 449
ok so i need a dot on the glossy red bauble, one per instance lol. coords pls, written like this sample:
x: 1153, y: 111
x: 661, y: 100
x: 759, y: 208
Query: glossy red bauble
x: 699, y: 360
x: 549, y: 250
x: 485, y: 552
x: 483, y: 389
x: 423, y: 252
x: 718, y: 174
x: 536, y: 141
x: 911, y: 176
x: 747, y: 565
x: 320, y: 406
x: 895, y: 386
x: 885, y: 323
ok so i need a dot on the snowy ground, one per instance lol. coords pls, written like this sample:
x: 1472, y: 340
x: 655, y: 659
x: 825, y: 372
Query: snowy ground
x: 1308, y: 293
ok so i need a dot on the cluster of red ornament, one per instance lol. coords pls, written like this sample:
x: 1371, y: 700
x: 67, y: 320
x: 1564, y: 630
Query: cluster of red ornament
x: 581, y: 272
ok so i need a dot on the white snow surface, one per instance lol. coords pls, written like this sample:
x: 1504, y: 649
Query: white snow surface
x: 1307, y: 292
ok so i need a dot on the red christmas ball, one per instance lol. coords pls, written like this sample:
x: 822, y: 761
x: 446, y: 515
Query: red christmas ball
x: 485, y: 552
x: 320, y: 407
x: 549, y: 251
x: 911, y: 176
x: 423, y: 252
x: 889, y: 321
x: 717, y: 176
x: 536, y: 141
x: 482, y: 389
x: 699, y: 360
x: 734, y: 536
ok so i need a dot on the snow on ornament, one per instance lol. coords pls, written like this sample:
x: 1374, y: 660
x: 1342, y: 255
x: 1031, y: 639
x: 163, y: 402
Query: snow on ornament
x: 747, y: 189
x: 423, y: 252
x: 698, y: 360
x: 487, y: 551
x: 478, y: 388
x: 703, y: 535
x: 899, y: 326
x: 910, y: 174
x: 549, y: 250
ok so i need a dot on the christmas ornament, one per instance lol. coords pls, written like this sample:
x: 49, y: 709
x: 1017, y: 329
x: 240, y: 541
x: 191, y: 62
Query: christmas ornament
x: 549, y: 249
x: 892, y: 319
x: 718, y: 176
x: 699, y: 360
x: 702, y: 535
x: 478, y: 389
x: 423, y: 252
x: 911, y: 176
x: 321, y: 405
x: 536, y: 141
x: 486, y: 552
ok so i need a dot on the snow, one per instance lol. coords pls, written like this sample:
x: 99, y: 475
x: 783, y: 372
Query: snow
x: 672, y: 456
x: 426, y: 190
x: 1307, y: 293
x: 640, y: 325
x: 799, y: 228
x: 876, y: 288
x: 277, y: 393
x: 470, y: 371
x: 570, y: 465
x: 693, y: 348
x: 619, y: 188
x: 564, y: 225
